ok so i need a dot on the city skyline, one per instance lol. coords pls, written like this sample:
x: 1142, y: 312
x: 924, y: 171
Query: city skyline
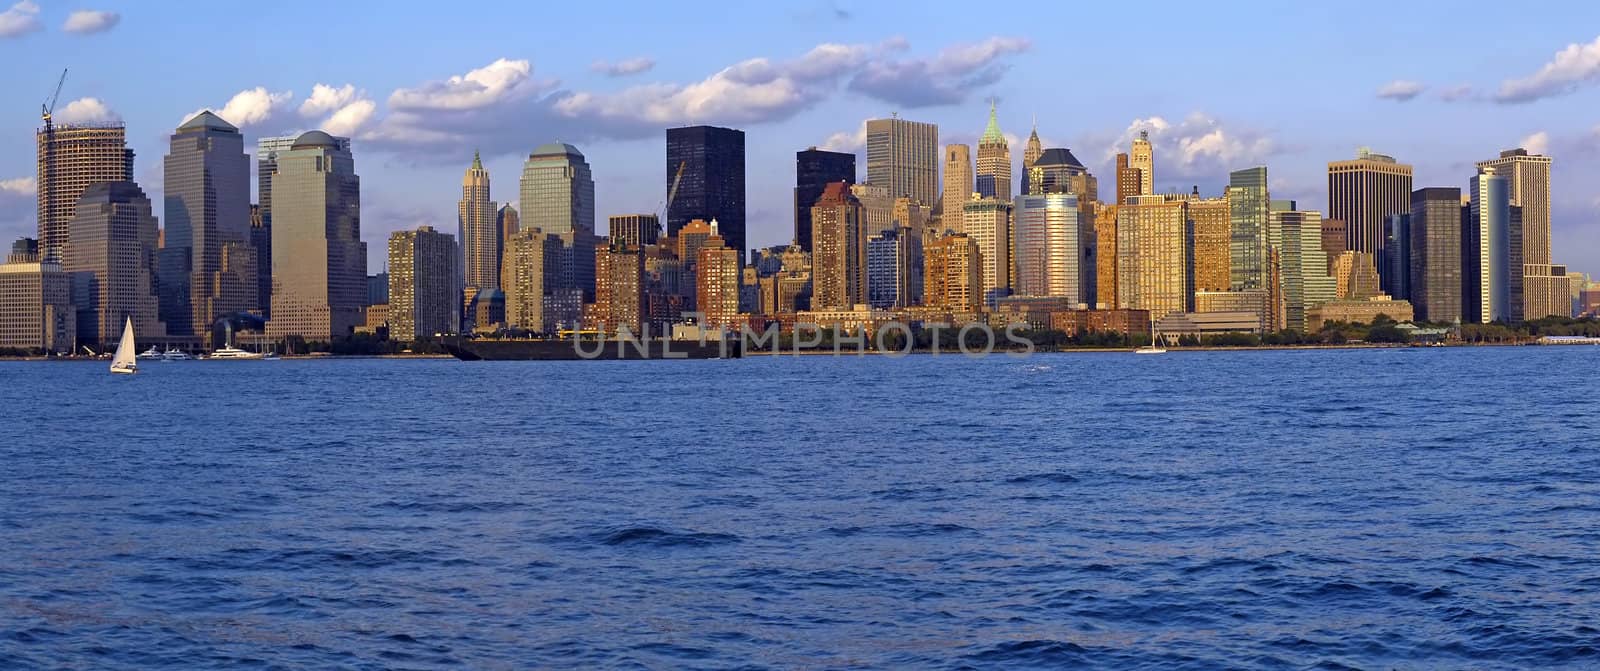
x: 414, y: 155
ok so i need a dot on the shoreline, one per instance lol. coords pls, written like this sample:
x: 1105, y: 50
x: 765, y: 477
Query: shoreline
x: 871, y: 351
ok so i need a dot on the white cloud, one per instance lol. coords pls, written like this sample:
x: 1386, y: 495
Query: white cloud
x: 1197, y: 146
x: 945, y: 79
x: 21, y: 19
x: 86, y: 110
x: 325, y: 98
x: 350, y: 118
x: 1400, y: 90
x: 21, y: 186
x: 1537, y: 143
x: 849, y: 141
x: 88, y: 21
x: 496, y: 82
x: 631, y: 66
x: 250, y: 106
x: 1572, y: 66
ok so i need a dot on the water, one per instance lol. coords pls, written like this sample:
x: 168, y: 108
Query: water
x: 1427, y: 508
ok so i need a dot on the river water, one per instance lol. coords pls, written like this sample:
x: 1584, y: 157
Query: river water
x: 1395, y: 508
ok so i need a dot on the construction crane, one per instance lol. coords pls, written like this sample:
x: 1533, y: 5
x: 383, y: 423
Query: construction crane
x: 49, y: 107
x: 673, y: 191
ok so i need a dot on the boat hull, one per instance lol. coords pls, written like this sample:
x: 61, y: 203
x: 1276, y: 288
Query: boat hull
x: 567, y: 350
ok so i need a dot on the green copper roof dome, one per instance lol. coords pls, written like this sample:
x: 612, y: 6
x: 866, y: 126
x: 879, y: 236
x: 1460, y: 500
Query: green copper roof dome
x: 991, y: 133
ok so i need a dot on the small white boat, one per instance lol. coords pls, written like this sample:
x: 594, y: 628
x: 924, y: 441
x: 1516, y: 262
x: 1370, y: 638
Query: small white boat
x: 175, y: 354
x: 1155, y: 344
x: 230, y: 353
x: 123, y: 361
x: 150, y: 354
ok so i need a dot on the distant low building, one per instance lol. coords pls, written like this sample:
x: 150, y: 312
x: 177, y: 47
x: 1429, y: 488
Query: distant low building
x: 1208, y: 323
x: 35, y: 303
x: 1359, y: 311
x: 1077, y: 322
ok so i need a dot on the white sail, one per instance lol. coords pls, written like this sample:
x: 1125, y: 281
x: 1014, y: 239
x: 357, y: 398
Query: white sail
x: 123, y: 360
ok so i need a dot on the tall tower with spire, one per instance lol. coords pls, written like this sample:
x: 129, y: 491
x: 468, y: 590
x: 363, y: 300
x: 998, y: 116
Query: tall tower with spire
x: 1141, y: 159
x: 479, y: 233
x: 994, y: 161
x: 1030, y: 155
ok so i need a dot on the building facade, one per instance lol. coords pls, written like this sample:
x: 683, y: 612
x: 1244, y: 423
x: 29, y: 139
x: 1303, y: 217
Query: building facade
x: 319, y: 262
x: 1362, y: 191
x: 987, y: 222
x: 717, y: 283
x: 619, y: 288
x: 895, y: 269
x: 953, y: 279
x: 903, y: 156
x: 1153, y: 269
x: 424, y: 284
x: 814, y: 170
x: 712, y: 186
x: 111, y: 260
x: 1305, y: 282
x: 639, y: 230
x: 557, y: 197
x: 1054, y: 253
x: 208, y: 266
x: 958, y: 186
x: 478, y: 232
x: 532, y: 269
x: 839, y: 254
x: 36, y: 310
x: 1537, y: 289
x: 1248, y: 205
x: 1486, y: 291
x: 1142, y: 158
x: 70, y: 158
x: 1436, y: 278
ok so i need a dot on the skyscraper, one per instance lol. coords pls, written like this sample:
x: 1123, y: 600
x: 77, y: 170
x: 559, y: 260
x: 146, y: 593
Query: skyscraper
x: 318, y: 259
x: 894, y: 269
x: 478, y: 232
x: 1396, y: 259
x: 952, y: 276
x: 268, y: 149
x: 1153, y: 270
x: 1142, y: 158
x: 557, y: 197
x: 1030, y: 154
x: 1248, y: 201
x: 987, y: 221
x: 71, y: 157
x: 1361, y: 192
x: 903, y: 156
x: 1542, y: 291
x: 712, y: 186
x: 424, y: 277
x: 1486, y: 291
x: 111, y: 260
x: 1054, y: 254
x: 814, y: 170
x: 717, y: 282
x: 207, y: 262
x: 994, y: 161
x: 839, y: 255
x: 531, y: 270
x: 1211, y: 220
x: 1305, y: 281
x: 958, y: 185
x: 1436, y: 278
x: 619, y: 287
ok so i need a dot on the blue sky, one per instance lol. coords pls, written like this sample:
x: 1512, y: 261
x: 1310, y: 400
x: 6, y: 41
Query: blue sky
x: 1223, y: 86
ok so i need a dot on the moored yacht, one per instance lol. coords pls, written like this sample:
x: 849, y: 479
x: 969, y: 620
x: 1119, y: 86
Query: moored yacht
x: 230, y: 352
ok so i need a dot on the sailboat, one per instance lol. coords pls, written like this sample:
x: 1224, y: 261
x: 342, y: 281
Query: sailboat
x: 1155, y: 345
x: 123, y: 361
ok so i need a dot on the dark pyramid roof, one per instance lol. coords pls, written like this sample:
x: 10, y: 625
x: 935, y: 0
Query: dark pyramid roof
x: 1056, y: 156
x: 208, y: 120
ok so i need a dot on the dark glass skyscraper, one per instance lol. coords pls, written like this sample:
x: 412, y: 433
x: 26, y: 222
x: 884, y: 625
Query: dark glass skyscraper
x: 712, y: 186
x: 813, y: 169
